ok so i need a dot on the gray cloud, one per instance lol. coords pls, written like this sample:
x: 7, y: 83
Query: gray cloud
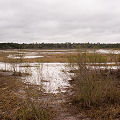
x: 60, y: 21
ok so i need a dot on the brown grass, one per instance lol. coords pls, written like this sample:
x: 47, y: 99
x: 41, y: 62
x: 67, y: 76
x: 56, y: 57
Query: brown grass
x: 62, y: 57
x: 19, y: 102
x: 95, y: 89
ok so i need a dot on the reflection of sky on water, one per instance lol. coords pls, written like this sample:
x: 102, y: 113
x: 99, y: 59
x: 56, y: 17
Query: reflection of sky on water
x: 49, y: 75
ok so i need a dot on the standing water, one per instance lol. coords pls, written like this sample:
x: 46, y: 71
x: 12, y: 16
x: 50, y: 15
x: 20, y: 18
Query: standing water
x: 48, y: 75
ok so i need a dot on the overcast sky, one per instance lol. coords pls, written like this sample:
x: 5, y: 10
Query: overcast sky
x: 60, y: 21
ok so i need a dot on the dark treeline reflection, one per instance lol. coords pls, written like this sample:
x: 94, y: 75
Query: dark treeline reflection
x: 57, y: 45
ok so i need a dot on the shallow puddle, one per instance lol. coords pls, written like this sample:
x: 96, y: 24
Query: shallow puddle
x: 24, y: 57
x: 104, y: 51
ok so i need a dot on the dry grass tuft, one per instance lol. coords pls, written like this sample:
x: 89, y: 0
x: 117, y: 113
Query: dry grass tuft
x: 94, y: 89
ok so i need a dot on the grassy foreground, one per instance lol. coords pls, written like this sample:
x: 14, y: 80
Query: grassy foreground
x: 20, y: 102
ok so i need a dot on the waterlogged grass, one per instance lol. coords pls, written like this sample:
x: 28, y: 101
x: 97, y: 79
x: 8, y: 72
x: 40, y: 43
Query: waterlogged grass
x: 61, y: 57
x: 94, y: 88
x: 93, y: 58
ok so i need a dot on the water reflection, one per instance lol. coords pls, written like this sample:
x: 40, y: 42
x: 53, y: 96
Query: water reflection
x: 49, y: 75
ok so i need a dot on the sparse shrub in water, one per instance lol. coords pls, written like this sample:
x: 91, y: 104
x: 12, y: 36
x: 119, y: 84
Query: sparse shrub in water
x: 93, y: 87
x: 21, y: 58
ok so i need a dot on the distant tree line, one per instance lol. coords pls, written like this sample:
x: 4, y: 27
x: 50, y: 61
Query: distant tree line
x: 57, y: 45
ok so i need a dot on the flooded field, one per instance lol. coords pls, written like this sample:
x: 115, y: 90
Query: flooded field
x: 49, y: 76
x: 53, y: 71
x: 59, y: 51
x: 25, y: 57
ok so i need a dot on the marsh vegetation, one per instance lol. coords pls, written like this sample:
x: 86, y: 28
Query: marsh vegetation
x: 96, y: 87
x: 33, y: 82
